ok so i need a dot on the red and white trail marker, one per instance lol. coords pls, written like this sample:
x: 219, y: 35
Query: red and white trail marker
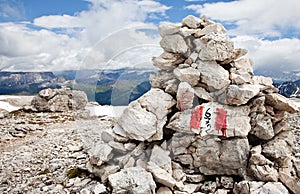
x: 209, y: 120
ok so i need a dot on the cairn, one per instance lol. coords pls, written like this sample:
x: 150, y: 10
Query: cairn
x: 208, y: 125
x: 58, y: 100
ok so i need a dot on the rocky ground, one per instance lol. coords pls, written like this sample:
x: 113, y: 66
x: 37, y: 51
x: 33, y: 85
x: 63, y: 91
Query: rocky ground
x: 45, y: 152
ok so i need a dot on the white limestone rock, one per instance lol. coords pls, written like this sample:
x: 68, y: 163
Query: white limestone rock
x: 202, y: 94
x: 100, y: 153
x: 191, y: 21
x: 144, y: 119
x: 189, y: 75
x: 132, y: 180
x: 195, y: 178
x: 157, y: 102
x: 186, y: 32
x: 238, y: 95
x: 266, y: 81
x: 262, y: 127
x: 164, y: 190
x: 261, y: 167
x: 240, y: 78
x: 215, y: 47
x: 168, y: 28
x: 209, y: 187
x: 280, y: 147
x: 172, y: 86
x: 184, y: 96
x: 137, y: 123
x: 161, y: 176
x: 59, y: 100
x: 161, y: 158
x: 185, y: 159
x: 223, y: 157
x: 213, y: 75
x: 99, y: 189
x: 243, y: 64
x: 252, y: 187
x: 180, y: 142
x: 167, y: 61
x: 216, y: 28
x: 281, y: 126
x: 279, y: 102
x: 160, y: 79
x: 227, y: 182
x: 291, y: 182
x: 174, y: 44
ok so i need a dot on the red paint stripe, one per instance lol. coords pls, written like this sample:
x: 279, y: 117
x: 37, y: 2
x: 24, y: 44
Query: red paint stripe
x: 196, y: 118
x: 221, y: 123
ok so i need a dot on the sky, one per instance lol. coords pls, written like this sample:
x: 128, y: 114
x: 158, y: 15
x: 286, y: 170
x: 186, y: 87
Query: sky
x: 55, y: 35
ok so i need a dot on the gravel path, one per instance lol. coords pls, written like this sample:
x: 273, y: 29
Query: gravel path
x: 45, y: 153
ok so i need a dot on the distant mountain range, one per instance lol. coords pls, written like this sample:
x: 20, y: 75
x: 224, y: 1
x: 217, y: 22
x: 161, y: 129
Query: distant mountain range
x: 289, y: 89
x: 278, y: 76
x: 115, y: 87
x: 288, y: 83
x: 27, y: 83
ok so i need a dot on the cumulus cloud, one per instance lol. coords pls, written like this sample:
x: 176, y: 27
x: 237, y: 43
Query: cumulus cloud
x: 263, y: 18
x: 124, y: 47
x: 87, y: 39
x: 57, y: 21
x: 23, y: 48
x: 282, y: 55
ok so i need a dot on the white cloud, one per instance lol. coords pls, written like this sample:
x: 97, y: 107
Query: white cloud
x: 106, y: 17
x: 89, y: 39
x: 57, y: 21
x: 24, y: 48
x: 263, y: 18
x: 282, y: 55
x: 138, y: 43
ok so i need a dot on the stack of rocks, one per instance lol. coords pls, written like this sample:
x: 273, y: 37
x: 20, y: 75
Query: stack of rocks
x: 208, y: 125
x: 58, y: 100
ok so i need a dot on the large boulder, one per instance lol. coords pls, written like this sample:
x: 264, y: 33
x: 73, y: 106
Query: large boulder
x: 59, y: 100
x: 174, y: 44
x: 144, y: 119
x: 213, y: 75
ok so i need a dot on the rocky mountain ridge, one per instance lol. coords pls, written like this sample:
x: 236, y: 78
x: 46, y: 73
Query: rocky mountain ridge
x: 289, y: 89
x: 124, y: 84
x: 27, y: 83
x: 107, y: 87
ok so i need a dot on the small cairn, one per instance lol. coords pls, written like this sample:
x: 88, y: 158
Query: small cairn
x: 58, y: 100
x: 208, y: 125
